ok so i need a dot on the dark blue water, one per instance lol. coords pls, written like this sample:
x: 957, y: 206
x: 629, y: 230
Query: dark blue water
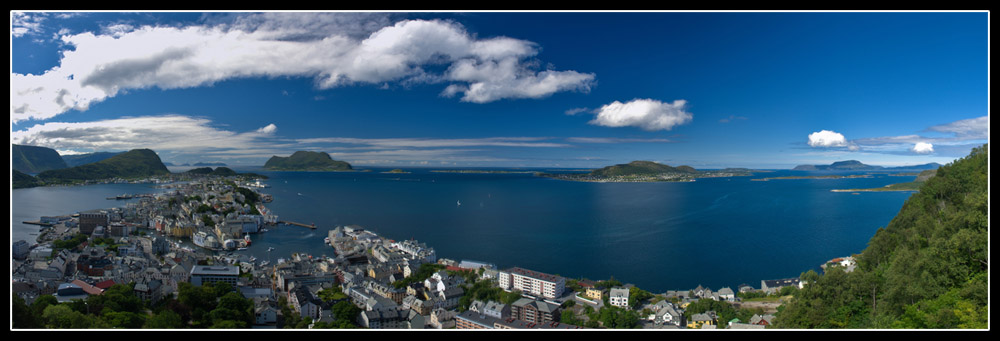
x: 659, y: 236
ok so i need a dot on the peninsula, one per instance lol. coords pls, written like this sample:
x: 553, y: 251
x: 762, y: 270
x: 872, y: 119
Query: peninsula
x: 900, y: 187
x: 647, y: 171
x: 306, y: 161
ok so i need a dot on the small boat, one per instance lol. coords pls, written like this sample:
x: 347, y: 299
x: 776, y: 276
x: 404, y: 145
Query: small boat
x: 459, y: 203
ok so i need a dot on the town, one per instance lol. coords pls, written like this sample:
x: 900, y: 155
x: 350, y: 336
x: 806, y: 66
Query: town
x: 143, y: 252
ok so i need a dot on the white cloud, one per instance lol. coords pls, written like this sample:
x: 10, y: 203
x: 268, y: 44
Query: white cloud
x: 826, y: 138
x: 976, y: 128
x: 923, y: 148
x: 125, y: 57
x: 614, y: 140
x: 647, y: 114
x: 22, y: 23
x: 268, y: 130
x: 534, y: 142
x: 169, y: 134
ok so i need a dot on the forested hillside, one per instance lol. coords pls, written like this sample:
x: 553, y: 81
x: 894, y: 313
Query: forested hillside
x: 927, y: 269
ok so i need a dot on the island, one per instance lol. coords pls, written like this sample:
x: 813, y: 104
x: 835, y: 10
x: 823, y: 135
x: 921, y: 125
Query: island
x: 852, y: 176
x: 647, y: 171
x: 396, y: 171
x: 307, y: 161
x: 912, y: 186
x: 855, y: 165
x: 135, y: 163
x: 481, y: 171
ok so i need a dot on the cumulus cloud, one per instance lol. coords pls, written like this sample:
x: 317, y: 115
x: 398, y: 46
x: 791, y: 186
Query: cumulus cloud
x: 102, y: 65
x: 827, y: 138
x: 923, y: 148
x: 647, y: 114
x: 268, y: 129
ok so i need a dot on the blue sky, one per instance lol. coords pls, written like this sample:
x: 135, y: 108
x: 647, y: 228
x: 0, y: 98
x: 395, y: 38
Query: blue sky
x: 709, y: 90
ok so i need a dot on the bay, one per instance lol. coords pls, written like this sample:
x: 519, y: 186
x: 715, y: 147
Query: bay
x: 714, y: 232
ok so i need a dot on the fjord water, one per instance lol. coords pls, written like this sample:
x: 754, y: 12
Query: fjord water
x: 714, y: 232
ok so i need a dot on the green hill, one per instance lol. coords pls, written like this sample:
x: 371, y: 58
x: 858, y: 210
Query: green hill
x: 927, y: 269
x: 21, y: 180
x: 306, y: 161
x: 31, y: 159
x: 132, y: 164
x: 640, y: 168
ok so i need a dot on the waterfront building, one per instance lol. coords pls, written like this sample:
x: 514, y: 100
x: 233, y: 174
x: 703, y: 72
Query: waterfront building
x: 619, y: 297
x: 201, y: 274
x: 532, y: 282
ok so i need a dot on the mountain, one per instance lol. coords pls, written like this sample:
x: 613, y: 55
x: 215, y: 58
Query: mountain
x: 839, y: 165
x: 306, y: 161
x: 203, y: 164
x: 132, y: 164
x: 641, y: 168
x: 855, y: 165
x: 31, y: 159
x: 928, y: 268
x: 82, y: 159
x: 926, y: 166
x: 220, y: 171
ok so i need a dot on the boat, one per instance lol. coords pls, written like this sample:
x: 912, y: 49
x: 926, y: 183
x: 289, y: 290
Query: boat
x: 459, y: 203
x: 241, y: 249
x: 246, y: 238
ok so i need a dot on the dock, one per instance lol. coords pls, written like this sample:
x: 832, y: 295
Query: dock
x: 38, y: 223
x: 312, y: 226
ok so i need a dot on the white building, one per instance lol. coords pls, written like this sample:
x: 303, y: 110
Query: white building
x: 619, y: 297
x: 532, y: 282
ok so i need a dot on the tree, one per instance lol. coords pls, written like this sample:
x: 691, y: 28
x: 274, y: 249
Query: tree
x: 166, y: 319
x: 22, y: 316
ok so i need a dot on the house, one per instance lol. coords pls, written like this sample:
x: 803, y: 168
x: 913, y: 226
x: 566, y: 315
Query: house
x: 762, y: 320
x: 666, y: 313
x: 727, y: 294
x: 698, y: 321
x: 619, y: 297
x: 532, y: 282
x: 442, y: 319
x: 774, y: 285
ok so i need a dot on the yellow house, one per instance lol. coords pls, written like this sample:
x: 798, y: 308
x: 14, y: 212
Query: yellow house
x: 595, y: 294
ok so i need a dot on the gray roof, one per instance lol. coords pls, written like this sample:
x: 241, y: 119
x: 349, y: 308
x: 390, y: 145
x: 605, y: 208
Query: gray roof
x: 220, y: 270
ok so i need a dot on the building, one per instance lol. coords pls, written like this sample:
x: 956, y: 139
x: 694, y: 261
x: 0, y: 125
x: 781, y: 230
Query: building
x: 202, y: 274
x: 774, y: 285
x: 20, y: 249
x: 532, y: 283
x: 539, y: 312
x: 92, y: 219
x: 619, y: 297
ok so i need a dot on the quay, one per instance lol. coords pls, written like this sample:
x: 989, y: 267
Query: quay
x: 312, y: 226
x: 38, y: 223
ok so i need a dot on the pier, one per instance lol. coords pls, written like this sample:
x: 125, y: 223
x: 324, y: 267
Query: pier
x: 38, y: 223
x: 312, y: 226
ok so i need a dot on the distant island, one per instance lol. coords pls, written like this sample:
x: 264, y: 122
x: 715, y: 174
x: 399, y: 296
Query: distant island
x: 855, y: 165
x: 222, y: 171
x: 396, y: 171
x: 647, y: 171
x: 136, y: 163
x: 306, y: 161
x: 900, y: 187
x: 853, y: 176
x: 213, y: 164
x: 481, y: 171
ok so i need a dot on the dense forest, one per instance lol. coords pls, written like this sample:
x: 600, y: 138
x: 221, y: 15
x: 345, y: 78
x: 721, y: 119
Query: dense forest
x: 927, y: 269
